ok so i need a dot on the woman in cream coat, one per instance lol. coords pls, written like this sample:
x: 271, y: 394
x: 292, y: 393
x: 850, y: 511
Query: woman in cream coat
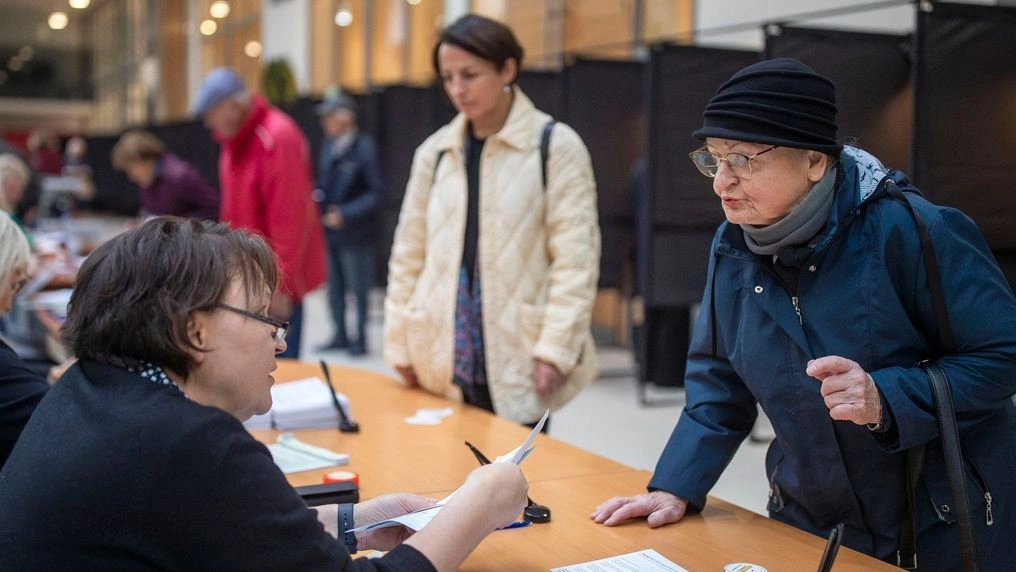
x: 492, y: 304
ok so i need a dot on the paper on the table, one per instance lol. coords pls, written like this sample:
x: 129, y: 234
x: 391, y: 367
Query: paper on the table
x: 642, y: 561
x: 419, y: 519
x: 429, y: 416
x: 293, y: 455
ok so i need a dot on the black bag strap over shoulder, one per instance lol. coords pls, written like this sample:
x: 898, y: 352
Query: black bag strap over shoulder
x: 548, y: 129
x: 906, y: 557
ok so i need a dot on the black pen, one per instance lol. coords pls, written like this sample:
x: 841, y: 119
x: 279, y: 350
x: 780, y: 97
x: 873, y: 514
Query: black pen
x: 533, y: 512
x: 831, y: 548
x: 346, y: 425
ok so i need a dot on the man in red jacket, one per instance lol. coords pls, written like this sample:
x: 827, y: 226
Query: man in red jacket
x: 266, y: 178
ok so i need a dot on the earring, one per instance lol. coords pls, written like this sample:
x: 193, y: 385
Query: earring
x: 507, y: 88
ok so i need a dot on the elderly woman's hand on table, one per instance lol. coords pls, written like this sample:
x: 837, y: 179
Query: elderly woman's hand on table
x: 849, y: 392
x: 660, y: 507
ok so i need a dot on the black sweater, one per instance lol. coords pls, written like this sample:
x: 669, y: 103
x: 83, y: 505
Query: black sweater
x: 115, y: 472
x: 20, y: 391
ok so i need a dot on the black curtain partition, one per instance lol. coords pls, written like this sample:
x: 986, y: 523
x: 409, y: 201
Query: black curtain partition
x: 406, y: 116
x: 546, y: 90
x: 611, y: 123
x: 872, y: 77
x: 677, y: 212
x: 965, y: 116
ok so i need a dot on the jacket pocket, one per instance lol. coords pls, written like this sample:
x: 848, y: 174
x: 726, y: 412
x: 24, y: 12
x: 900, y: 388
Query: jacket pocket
x: 978, y: 494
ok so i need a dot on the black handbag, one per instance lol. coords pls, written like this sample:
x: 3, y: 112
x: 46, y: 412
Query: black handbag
x: 906, y: 557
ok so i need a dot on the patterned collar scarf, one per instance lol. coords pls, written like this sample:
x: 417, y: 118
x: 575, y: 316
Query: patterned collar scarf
x: 153, y: 373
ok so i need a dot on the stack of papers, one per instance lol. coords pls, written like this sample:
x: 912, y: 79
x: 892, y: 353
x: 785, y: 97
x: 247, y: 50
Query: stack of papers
x: 303, y: 404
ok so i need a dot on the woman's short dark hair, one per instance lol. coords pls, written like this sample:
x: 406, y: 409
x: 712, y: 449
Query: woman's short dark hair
x: 484, y: 38
x: 135, y: 294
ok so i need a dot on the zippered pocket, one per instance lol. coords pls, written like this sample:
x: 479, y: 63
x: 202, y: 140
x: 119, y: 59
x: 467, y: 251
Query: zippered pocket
x: 977, y: 491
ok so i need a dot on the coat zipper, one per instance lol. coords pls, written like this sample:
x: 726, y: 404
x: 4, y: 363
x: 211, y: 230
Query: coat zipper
x: 797, y: 309
x: 989, y: 518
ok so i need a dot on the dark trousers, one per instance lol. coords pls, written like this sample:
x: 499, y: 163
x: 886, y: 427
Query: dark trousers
x: 349, y: 268
x: 293, y: 335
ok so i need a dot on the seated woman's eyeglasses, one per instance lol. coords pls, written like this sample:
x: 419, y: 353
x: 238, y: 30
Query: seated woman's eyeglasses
x: 280, y: 327
x: 709, y: 164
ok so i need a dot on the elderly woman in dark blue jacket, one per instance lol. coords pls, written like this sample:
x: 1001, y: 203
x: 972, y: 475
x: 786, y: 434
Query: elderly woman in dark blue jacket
x: 818, y: 308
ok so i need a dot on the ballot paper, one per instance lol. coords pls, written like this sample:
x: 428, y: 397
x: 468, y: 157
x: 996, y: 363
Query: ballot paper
x: 418, y: 519
x: 302, y: 404
x: 293, y: 455
x: 642, y: 561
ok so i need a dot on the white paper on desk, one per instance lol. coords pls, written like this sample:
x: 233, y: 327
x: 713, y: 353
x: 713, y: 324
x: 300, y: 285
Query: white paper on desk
x: 293, y: 455
x: 642, y: 561
x: 419, y: 519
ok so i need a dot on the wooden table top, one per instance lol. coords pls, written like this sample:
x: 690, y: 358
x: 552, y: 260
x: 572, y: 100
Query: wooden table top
x: 393, y: 456
x: 722, y: 534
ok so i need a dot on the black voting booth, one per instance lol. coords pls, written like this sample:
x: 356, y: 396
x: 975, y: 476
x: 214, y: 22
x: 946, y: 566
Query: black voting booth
x: 965, y: 117
x: 677, y: 212
x: 611, y: 123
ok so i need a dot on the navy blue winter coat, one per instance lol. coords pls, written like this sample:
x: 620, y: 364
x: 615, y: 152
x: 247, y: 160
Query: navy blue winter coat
x: 863, y: 295
x: 352, y: 182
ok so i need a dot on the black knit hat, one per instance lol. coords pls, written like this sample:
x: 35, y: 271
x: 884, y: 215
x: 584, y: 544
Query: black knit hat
x: 777, y: 102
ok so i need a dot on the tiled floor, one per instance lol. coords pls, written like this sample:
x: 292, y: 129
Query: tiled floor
x: 605, y: 418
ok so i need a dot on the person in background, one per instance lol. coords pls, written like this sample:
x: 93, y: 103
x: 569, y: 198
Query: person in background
x: 21, y: 388
x: 493, y: 271
x: 817, y: 307
x: 349, y: 180
x: 14, y: 178
x: 138, y: 457
x: 169, y: 185
x: 43, y: 152
x: 266, y: 184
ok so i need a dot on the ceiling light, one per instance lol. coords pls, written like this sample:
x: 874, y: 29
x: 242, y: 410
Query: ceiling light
x: 14, y: 64
x: 219, y: 9
x: 208, y: 27
x: 57, y: 20
x: 343, y: 17
x: 80, y: 4
x: 252, y: 49
x: 26, y: 53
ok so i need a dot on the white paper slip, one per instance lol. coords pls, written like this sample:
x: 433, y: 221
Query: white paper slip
x: 429, y: 416
x: 293, y: 455
x: 415, y: 520
x: 519, y: 454
x: 647, y: 560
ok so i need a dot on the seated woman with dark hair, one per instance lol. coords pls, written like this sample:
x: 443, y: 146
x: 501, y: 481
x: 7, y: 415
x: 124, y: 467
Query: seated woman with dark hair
x: 137, y: 458
x: 21, y: 389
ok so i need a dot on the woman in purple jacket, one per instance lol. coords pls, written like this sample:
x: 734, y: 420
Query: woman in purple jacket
x: 169, y: 185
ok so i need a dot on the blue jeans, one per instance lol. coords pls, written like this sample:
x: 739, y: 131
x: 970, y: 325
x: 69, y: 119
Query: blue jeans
x: 293, y: 335
x: 349, y: 268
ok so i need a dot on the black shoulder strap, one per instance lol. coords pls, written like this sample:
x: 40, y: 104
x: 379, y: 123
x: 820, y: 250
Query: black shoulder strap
x: 545, y: 150
x: 433, y: 176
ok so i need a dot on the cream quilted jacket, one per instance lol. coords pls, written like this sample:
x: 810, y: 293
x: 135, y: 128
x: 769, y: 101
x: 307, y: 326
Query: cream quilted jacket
x: 538, y: 257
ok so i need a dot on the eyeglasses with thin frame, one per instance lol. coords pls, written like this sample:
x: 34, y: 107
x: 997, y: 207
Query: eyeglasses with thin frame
x: 708, y: 163
x: 281, y: 328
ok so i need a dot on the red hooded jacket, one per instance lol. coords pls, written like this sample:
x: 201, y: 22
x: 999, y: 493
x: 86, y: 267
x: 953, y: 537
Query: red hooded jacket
x: 265, y: 174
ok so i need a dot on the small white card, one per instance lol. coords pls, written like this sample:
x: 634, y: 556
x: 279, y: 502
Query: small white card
x: 647, y: 560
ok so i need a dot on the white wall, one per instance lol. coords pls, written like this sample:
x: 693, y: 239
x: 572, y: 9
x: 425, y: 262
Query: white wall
x: 711, y: 14
x: 285, y: 32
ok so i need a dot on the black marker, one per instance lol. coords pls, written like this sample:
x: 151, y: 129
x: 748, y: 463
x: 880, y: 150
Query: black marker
x: 533, y: 512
